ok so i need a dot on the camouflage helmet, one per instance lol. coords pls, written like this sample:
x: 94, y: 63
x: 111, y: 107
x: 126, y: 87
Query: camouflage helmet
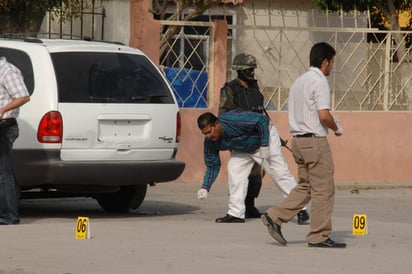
x: 243, y: 61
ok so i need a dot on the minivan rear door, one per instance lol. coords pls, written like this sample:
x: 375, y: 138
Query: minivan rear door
x: 114, y: 106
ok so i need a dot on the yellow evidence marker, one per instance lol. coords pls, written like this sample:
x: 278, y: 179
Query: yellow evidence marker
x: 83, y: 228
x: 359, y: 225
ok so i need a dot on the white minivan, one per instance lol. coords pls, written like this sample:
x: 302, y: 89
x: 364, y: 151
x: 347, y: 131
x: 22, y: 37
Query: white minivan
x: 102, y: 121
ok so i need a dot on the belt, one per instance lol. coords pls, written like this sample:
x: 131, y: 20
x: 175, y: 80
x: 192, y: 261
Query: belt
x: 4, y: 123
x: 305, y: 135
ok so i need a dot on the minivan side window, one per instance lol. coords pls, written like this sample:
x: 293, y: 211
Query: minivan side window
x: 86, y: 77
x: 22, y: 61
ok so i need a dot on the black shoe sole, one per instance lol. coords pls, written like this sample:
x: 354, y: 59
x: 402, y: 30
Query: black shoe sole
x: 328, y: 243
x: 303, y: 222
x: 327, y: 246
x: 275, y: 235
x: 229, y: 220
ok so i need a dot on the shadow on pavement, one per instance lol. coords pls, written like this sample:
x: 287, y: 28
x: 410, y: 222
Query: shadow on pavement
x: 73, y: 207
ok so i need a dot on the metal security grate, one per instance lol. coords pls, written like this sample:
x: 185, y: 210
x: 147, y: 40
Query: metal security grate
x: 371, y: 73
x: 185, y: 60
x: 90, y: 23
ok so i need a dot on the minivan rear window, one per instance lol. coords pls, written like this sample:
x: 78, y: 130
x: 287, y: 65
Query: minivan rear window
x: 22, y: 61
x: 93, y: 77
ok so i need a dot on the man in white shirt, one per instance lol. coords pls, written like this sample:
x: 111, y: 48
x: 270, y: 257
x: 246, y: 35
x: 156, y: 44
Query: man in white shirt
x: 309, y: 120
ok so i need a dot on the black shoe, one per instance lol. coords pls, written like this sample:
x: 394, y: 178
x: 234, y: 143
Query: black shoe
x: 328, y: 243
x: 9, y: 223
x: 15, y: 222
x: 229, y: 219
x: 273, y: 229
x: 252, y: 212
x: 303, y: 217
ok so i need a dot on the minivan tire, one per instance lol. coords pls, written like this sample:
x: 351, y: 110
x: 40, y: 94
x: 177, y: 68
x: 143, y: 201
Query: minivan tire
x: 127, y: 198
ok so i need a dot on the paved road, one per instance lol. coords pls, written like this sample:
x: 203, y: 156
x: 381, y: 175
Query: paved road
x: 175, y: 233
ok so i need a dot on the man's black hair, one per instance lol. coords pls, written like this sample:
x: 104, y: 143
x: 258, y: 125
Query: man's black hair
x: 205, y: 119
x: 320, y: 52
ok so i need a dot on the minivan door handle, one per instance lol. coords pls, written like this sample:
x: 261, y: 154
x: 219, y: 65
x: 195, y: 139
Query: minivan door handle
x: 123, y: 147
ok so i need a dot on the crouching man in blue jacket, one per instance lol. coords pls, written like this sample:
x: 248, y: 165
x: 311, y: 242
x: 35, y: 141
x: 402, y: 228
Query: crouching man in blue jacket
x: 251, y: 138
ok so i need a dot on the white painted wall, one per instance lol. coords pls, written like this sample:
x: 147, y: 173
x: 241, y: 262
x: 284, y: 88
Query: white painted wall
x: 116, y: 22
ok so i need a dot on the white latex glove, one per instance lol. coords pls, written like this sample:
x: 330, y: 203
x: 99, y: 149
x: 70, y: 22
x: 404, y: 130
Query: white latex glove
x: 263, y: 153
x: 202, y: 193
x: 338, y: 132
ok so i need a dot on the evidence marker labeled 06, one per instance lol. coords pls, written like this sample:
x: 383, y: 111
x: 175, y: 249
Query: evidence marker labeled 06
x: 83, y: 228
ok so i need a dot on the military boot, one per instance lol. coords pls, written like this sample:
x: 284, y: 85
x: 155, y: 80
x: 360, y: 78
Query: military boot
x: 251, y: 210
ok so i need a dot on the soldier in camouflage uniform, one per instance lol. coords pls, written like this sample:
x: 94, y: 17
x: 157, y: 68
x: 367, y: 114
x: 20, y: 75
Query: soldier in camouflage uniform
x: 243, y: 93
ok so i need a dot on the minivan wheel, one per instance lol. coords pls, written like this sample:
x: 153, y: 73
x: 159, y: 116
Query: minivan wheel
x: 127, y: 198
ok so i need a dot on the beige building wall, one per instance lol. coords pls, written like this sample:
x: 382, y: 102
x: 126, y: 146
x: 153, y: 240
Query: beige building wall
x: 374, y: 149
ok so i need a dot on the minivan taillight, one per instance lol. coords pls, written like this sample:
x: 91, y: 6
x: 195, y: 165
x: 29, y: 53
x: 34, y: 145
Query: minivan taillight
x: 178, y: 127
x: 50, y: 128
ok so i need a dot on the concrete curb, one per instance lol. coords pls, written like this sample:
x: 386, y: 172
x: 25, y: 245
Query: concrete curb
x: 353, y: 186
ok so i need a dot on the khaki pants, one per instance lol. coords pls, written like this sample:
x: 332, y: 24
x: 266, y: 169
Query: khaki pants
x: 315, y: 170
